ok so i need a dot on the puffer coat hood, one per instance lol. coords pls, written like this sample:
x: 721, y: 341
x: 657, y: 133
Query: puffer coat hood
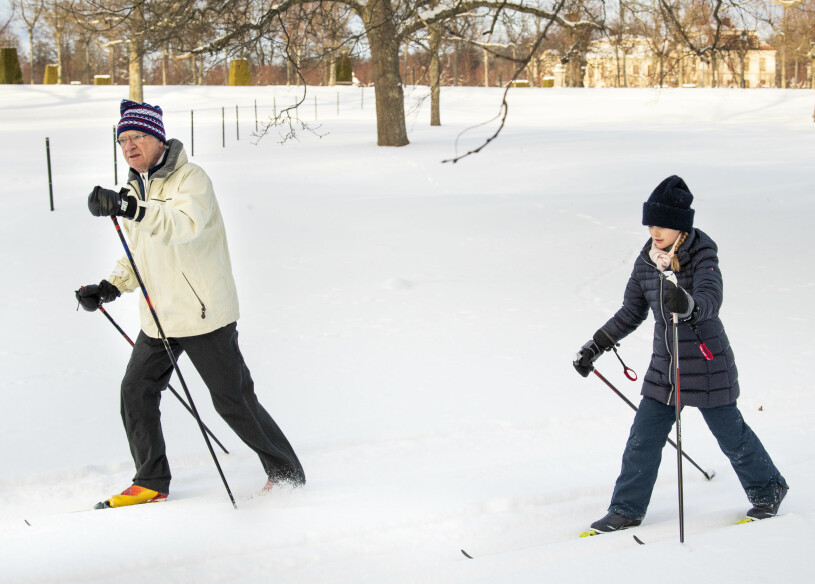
x: 703, y: 383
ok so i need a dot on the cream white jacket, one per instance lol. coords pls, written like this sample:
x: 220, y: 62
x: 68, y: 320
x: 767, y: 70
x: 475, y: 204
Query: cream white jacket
x: 180, y: 250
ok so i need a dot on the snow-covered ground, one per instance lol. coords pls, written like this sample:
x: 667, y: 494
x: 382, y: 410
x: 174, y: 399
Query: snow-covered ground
x: 410, y: 325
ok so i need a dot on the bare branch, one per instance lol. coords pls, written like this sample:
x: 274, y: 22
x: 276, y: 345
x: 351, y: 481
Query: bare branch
x: 504, y: 108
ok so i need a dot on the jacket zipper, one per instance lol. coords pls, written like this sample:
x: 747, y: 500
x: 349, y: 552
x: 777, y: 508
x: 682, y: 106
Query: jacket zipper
x: 671, y: 365
x: 647, y: 259
x: 201, y: 302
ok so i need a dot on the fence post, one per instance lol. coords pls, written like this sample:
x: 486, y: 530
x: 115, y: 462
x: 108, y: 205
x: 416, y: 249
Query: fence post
x: 48, y: 158
x: 256, y: 115
x: 115, y: 161
x: 237, y: 125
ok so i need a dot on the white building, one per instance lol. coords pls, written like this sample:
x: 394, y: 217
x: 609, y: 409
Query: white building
x: 633, y: 62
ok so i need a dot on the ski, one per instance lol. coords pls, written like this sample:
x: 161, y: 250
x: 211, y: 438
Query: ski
x: 751, y: 519
x: 593, y: 532
x: 589, y: 533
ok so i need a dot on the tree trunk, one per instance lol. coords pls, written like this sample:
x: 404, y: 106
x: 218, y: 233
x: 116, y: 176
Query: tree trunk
x: 88, y: 72
x: 31, y: 54
x: 164, y: 67
x: 486, y: 68
x: 59, y: 54
x: 455, y: 64
x: 135, y: 73
x: 435, y: 75
x: 332, y: 67
x: 390, y: 97
x: 112, y: 64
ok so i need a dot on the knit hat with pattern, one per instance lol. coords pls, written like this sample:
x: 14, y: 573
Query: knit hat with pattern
x: 141, y: 117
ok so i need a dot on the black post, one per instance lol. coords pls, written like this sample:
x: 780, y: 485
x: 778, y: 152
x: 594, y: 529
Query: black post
x: 256, y: 115
x: 172, y: 357
x: 115, y: 162
x: 48, y: 159
x: 170, y: 387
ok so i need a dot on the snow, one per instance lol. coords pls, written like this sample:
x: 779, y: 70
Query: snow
x: 410, y: 325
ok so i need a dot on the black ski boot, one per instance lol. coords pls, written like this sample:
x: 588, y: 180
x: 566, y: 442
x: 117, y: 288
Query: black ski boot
x: 759, y: 512
x: 611, y: 522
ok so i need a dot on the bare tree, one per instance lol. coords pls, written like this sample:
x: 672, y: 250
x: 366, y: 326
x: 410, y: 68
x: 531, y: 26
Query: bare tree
x: 4, y: 25
x: 30, y: 12
x: 386, y: 25
x: 146, y: 26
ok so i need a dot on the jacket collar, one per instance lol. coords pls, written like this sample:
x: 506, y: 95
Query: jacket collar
x: 173, y: 158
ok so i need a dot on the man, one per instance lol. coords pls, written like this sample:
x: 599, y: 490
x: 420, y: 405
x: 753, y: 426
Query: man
x: 178, y: 242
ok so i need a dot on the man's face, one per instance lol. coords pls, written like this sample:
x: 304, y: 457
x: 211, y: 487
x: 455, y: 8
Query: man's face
x: 141, y: 151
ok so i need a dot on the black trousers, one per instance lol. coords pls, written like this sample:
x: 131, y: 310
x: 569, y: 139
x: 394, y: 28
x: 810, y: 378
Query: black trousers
x: 218, y: 360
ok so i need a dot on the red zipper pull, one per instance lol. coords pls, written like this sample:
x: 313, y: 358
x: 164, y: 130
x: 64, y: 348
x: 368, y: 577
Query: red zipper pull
x: 705, y: 351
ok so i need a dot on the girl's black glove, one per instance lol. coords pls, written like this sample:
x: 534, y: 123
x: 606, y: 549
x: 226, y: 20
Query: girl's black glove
x: 591, y: 351
x: 677, y: 300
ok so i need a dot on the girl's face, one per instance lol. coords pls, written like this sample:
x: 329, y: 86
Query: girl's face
x: 662, y: 236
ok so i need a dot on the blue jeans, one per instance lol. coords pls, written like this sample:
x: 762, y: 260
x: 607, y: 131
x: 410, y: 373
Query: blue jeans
x: 643, y: 452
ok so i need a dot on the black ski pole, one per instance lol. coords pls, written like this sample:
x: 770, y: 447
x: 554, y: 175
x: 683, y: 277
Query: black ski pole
x: 633, y: 407
x: 680, y: 482
x: 170, y: 387
x: 172, y: 358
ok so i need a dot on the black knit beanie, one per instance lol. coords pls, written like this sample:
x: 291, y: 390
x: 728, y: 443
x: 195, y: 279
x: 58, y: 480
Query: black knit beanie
x: 669, y: 206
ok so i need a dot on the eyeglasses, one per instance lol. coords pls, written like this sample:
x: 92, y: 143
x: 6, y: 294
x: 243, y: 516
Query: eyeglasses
x: 135, y: 139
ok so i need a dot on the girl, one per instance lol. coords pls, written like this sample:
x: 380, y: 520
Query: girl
x: 708, y: 382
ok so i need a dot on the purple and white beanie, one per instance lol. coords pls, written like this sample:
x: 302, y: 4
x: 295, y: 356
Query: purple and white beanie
x: 141, y: 117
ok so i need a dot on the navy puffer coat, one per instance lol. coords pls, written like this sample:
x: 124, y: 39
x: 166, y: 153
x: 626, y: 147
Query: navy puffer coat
x: 703, y: 383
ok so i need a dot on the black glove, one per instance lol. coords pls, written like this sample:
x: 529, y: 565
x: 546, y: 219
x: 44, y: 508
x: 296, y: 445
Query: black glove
x: 591, y: 351
x: 92, y: 296
x: 107, y: 203
x: 677, y: 300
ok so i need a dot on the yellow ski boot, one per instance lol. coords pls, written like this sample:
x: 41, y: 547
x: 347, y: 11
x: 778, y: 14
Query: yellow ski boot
x: 133, y: 495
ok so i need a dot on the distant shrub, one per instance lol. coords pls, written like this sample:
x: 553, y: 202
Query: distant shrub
x: 10, y: 66
x: 51, y: 75
x: 239, y: 72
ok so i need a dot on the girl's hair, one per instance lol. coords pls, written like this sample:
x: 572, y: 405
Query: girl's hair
x: 675, y: 259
